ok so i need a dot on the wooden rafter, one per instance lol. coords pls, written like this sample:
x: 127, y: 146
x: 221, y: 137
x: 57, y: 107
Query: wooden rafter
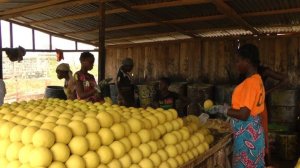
x: 54, y: 33
x: 272, y: 12
x: 31, y: 7
x: 149, y: 16
x: 128, y: 43
x: 189, y: 20
x: 175, y: 21
x: 65, y: 18
x: 155, y: 35
x: 138, y: 37
x: 191, y: 31
x: 149, y: 24
x: 122, y: 10
x: 39, y: 7
x: 228, y: 11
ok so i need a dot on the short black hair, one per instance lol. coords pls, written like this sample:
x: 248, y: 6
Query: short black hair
x: 250, y: 51
x: 165, y: 80
x: 86, y: 55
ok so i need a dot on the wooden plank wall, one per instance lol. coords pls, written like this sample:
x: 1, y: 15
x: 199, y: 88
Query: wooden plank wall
x: 203, y: 60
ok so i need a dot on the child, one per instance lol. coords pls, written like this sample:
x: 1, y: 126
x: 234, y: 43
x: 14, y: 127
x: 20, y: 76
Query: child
x: 165, y: 98
x: 86, y: 86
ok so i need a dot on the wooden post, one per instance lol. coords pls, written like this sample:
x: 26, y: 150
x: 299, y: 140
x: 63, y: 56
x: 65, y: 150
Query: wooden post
x: 1, y: 63
x: 11, y: 35
x: 33, y: 39
x: 102, y: 54
x: 50, y: 42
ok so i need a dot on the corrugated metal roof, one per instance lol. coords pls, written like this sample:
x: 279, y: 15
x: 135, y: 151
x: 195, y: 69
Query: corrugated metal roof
x: 283, y: 19
x: 144, y: 2
x: 173, y: 19
x: 246, y: 6
x: 281, y: 29
x: 7, y: 5
x: 185, y: 11
x: 225, y: 33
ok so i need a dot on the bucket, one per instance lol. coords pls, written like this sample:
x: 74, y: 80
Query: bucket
x: 55, y: 92
x: 285, y: 115
x: 287, y: 97
x: 200, y: 92
x: 146, y: 94
x: 113, y: 93
x: 288, y: 146
x: 223, y: 94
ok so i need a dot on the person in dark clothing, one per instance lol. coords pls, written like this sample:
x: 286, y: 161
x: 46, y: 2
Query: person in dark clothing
x: 124, y: 84
x: 164, y: 98
x: 267, y: 73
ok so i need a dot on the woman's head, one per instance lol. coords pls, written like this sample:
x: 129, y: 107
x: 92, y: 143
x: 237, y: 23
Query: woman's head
x: 127, y: 65
x: 87, y: 60
x: 63, y: 70
x: 248, y: 56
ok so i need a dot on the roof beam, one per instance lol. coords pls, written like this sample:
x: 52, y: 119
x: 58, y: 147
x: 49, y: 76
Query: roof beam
x: 122, y: 10
x: 272, y: 12
x: 54, y: 33
x: 39, y: 7
x: 228, y: 11
x: 149, y: 16
x: 188, y: 20
x: 128, y: 43
x: 65, y: 18
x: 155, y: 35
x: 149, y: 24
x: 113, y: 11
x: 32, y: 7
x: 137, y: 37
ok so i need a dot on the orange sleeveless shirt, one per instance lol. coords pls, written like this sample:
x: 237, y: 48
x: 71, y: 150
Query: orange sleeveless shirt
x: 251, y: 94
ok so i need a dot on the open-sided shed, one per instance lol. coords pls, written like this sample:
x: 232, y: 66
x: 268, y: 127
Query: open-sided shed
x: 195, y: 40
x: 204, y: 33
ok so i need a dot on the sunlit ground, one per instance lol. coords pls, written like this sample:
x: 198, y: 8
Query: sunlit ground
x: 28, y: 79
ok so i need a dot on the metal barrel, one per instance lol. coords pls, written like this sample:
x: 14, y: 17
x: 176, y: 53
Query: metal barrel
x: 200, y: 92
x: 223, y: 94
x: 55, y: 92
x: 113, y: 93
x: 283, y: 107
x: 146, y: 93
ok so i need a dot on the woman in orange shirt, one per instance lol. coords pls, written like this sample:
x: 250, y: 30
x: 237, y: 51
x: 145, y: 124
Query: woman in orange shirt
x: 248, y: 102
x: 267, y: 73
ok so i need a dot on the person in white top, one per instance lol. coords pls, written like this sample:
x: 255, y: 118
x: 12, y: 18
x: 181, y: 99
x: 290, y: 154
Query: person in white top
x: 2, y: 91
x: 64, y: 72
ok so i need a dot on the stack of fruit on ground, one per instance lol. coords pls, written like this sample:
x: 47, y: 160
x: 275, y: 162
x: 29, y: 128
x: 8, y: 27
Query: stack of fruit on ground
x: 77, y: 134
x: 298, y: 164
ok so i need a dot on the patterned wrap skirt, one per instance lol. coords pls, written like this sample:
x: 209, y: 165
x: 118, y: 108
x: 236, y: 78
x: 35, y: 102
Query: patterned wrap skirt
x: 249, y: 143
